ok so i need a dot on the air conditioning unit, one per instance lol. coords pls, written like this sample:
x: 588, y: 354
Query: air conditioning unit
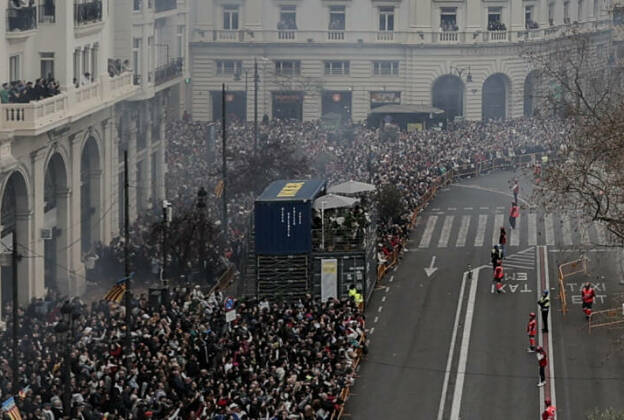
x: 46, y: 234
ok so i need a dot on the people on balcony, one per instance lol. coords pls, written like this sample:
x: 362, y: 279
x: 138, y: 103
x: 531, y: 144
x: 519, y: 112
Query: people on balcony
x: 496, y: 26
x: 25, y: 92
x: 286, y: 25
x: 531, y: 24
x: 448, y: 27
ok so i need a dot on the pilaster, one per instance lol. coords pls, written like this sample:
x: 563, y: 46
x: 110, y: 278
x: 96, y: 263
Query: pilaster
x: 132, y: 171
x: 37, y: 161
x: 76, y: 267
x: 107, y: 200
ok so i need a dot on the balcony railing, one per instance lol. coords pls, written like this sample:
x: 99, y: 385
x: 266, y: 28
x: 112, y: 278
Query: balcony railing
x: 286, y: 34
x: 38, y: 115
x: 22, y: 19
x: 47, y: 11
x: 164, y: 5
x: 169, y: 71
x: 85, y: 13
x: 401, y: 37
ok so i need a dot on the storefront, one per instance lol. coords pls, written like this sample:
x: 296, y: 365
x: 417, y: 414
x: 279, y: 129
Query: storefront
x: 381, y: 98
x: 337, y: 103
x: 288, y: 105
x: 235, y: 105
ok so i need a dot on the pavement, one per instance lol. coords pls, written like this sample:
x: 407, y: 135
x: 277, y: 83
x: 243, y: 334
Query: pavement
x: 446, y: 346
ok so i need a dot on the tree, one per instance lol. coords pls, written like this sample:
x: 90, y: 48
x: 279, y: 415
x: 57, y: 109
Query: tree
x: 390, y: 203
x: 580, y: 84
x: 605, y: 414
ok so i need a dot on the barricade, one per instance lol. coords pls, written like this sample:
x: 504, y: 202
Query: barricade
x: 566, y: 270
x: 346, y: 391
x: 606, y: 318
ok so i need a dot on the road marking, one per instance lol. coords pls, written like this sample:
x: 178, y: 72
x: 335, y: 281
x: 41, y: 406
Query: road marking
x: 566, y: 230
x: 426, y: 238
x: 435, y: 209
x: 484, y: 208
x: 467, y: 208
x: 376, y: 319
x: 383, y: 298
x: 452, y: 208
x: 463, y: 231
x: 446, y: 231
x: 372, y: 330
x: 481, y: 226
x: 498, y: 223
x: 476, y: 187
x: 553, y: 394
x: 391, y: 279
x: 532, y: 229
x: 463, y: 350
x: 550, y: 230
x: 449, y: 360
x: 514, y: 234
x: 545, y: 339
x: 500, y: 207
x: 530, y: 267
x: 380, y: 309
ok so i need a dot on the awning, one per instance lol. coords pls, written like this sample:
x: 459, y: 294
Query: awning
x: 351, y: 187
x: 333, y: 201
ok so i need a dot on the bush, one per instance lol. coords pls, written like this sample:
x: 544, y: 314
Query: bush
x: 390, y: 203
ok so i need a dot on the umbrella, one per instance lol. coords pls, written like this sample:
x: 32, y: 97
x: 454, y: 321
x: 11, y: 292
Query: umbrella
x: 351, y: 187
x: 333, y: 201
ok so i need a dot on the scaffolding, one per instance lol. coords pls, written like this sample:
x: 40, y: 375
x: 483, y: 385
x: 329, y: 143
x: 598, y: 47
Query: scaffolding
x: 566, y: 270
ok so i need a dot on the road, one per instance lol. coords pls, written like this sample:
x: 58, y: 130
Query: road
x: 446, y: 346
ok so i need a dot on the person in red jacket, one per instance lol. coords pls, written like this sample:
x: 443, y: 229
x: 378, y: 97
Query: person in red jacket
x: 531, y: 332
x: 549, y: 411
x: 542, y: 361
x: 502, y: 240
x: 513, y: 214
x: 498, y: 277
x: 588, y: 294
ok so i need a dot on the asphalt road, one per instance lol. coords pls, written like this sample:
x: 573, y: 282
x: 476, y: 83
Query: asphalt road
x: 445, y: 346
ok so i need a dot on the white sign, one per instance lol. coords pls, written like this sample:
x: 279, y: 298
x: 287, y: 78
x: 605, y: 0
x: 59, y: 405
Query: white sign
x: 230, y: 316
x: 329, y: 279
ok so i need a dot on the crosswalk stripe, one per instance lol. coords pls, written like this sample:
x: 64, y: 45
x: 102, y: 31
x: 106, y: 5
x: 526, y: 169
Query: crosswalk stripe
x: 532, y: 229
x: 584, y: 232
x: 480, y: 238
x: 550, y: 230
x: 446, y: 231
x: 514, y: 234
x: 600, y: 233
x: 566, y: 230
x: 498, y: 222
x: 426, y: 238
x: 463, y: 231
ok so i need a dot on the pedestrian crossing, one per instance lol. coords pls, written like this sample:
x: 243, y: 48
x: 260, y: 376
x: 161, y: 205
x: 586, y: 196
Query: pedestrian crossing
x: 471, y: 230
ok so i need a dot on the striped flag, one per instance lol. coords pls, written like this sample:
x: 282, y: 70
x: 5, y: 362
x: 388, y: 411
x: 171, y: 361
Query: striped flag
x: 11, y: 409
x: 116, y: 293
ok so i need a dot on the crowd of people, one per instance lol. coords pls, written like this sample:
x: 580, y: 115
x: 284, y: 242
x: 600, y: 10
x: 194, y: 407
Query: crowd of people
x: 274, y: 361
x: 24, y: 92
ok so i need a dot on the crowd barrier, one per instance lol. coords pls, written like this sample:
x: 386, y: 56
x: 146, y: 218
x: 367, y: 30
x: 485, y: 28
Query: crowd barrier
x: 566, y: 270
x: 346, y: 391
x: 463, y: 171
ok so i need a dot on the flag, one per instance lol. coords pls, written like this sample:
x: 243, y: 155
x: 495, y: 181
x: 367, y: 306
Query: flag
x: 116, y: 293
x: 11, y: 409
x: 22, y: 392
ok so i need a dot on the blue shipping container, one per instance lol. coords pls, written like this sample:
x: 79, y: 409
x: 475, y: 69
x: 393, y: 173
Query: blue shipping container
x: 283, y: 217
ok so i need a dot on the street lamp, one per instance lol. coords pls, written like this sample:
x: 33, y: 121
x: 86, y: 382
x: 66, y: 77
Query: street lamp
x: 167, y: 214
x: 70, y: 312
x: 459, y: 71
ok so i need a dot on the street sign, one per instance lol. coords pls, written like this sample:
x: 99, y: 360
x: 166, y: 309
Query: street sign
x: 228, y: 304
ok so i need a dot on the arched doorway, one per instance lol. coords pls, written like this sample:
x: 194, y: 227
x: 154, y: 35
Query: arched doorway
x: 530, y: 93
x: 14, y: 220
x: 90, y: 179
x: 494, y: 97
x: 55, y: 222
x: 448, y: 94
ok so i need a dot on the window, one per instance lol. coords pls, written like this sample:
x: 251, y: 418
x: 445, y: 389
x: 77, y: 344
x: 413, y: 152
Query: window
x: 336, y: 67
x: 47, y: 11
x: 288, y: 18
x: 551, y: 14
x: 47, y: 65
x: 579, y: 11
x: 336, y: 18
x: 85, y: 60
x: 230, y: 17
x: 566, y: 12
x: 494, y: 19
x: 136, y: 55
x: 596, y: 8
x: 386, y: 68
x: 15, y: 72
x: 386, y: 19
x: 137, y: 5
x: 94, y: 60
x: 448, y: 19
x: 180, y: 36
x: 288, y: 68
x: 229, y: 66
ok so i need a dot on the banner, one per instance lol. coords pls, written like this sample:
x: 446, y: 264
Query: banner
x: 329, y: 279
x: 11, y: 409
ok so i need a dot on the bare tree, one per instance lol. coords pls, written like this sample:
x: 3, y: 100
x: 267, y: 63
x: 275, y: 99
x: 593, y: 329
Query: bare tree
x: 578, y: 83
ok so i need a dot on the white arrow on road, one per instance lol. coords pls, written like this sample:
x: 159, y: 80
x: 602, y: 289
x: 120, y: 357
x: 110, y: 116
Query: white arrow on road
x: 431, y: 269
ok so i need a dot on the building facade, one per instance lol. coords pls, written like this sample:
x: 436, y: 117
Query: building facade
x: 346, y: 57
x: 120, y: 67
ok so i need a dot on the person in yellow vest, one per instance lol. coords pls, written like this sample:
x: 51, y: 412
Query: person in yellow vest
x: 352, y: 291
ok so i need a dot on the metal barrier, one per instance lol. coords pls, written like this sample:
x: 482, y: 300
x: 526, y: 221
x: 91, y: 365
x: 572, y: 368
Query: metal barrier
x: 346, y: 391
x: 606, y: 318
x: 566, y: 270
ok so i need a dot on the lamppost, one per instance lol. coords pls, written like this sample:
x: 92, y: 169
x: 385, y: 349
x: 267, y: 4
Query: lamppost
x: 70, y: 312
x: 166, y: 219
x: 201, y: 209
x: 459, y: 71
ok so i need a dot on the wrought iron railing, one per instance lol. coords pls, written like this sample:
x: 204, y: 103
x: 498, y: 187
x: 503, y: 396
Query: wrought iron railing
x: 164, y: 5
x: 169, y: 71
x: 85, y: 13
x: 22, y: 19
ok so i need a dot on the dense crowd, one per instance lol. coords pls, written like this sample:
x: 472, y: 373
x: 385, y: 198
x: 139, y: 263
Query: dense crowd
x: 24, y: 92
x: 274, y: 361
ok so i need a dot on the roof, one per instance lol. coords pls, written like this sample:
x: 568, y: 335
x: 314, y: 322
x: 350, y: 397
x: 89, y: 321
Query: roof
x: 406, y: 109
x: 293, y: 190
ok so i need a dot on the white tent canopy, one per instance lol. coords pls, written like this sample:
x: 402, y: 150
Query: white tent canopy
x: 333, y: 201
x: 351, y: 187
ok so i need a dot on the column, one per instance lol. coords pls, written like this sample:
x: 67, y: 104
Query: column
x: 65, y: 276
x: 147, y: 159
x: 37, y: 244
x: 76, y: 268
x: 25, y: 289
x: 162, y: 167
x: 107, y: 200
x: 132, y: 165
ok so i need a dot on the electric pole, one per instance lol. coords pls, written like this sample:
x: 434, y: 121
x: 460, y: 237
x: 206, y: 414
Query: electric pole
x: 15, y: 259
x: 128, y: 297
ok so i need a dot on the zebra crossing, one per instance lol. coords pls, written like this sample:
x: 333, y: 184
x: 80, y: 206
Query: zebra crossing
x: 458, y: 230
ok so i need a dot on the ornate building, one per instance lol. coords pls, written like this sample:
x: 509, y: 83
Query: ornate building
x: 120, y: 67
x: 348, y: 56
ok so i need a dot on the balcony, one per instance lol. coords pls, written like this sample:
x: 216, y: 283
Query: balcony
x: 87, y: 13
x: 40, y: 116
x: 227, y: 35
x: 385, y: 36
x: 494, y: 36
x: 286, y: 35
x: 336, y: 35
x: 448, y: 36
x: 21, y: 20
x: 169, y: 71
x: 165, y: 5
